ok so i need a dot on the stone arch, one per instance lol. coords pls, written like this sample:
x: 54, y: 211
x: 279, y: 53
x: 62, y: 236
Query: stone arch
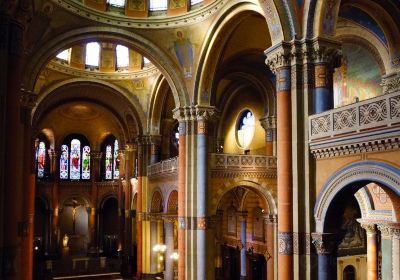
x: 356, y: 173
x: 105, y: 197
x: 84, y: 196
x: 255, y: 185
x: 219, y: 34
x: 158, y: 95
x: 49, y: 49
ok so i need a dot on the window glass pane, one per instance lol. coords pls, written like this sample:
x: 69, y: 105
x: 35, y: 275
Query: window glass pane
x: 108, y: 162
x: 158, y: 5
x: 86, y: 162
x: 117, y: 3
x: 75, y: 163
x: 116, y: 160
x: 146, y: 60
x: 64, y: 162
x: 122, y: 56
x: 41, y: 159
x: 92, y: 54
x: 246, y: 127
x: 64, y: 55
x: 194, y: 2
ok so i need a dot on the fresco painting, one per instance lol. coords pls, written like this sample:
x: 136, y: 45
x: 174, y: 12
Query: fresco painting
x: 358, y: 78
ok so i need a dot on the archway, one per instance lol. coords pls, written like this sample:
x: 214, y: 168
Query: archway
x: 109, y: 226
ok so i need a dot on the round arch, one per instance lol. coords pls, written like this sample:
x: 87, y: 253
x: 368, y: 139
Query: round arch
x: 219, y: 34
x: 132, y: 40
x: 158, y: 95
x: 172, y: 202
x: 355, y: 173
x: 157, y: 202
x: 253, y: 185
x: 106, y: 197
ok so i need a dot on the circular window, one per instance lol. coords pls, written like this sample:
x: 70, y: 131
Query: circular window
x: 245, y: 128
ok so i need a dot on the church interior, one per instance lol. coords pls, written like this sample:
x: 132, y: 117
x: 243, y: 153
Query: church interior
x: 200, y: 139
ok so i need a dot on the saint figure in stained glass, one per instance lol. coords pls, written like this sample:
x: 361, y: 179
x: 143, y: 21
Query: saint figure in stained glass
x: 64, y: 162
x: 116, y: 160
x: 75, y: 159
x: 86, y: 162
x: 108, y: 162
x: 41, y: 159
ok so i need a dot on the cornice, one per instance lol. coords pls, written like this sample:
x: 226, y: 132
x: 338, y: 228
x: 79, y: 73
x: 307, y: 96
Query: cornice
x: 189, y: 18
x: 148, y: 71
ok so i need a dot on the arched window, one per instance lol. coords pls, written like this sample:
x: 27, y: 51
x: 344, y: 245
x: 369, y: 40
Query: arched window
x: 92, y: 54
x: 245, y: 128
x: 42, y: 158
x: 110, y: 164
x: 116, y: 3
x: 158, y: 5
x: 122, y: 56
x: 64, y: 55
x: 146, y: 61
x: 75, y: 158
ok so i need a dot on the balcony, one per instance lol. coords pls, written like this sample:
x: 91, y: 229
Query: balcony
x: 369, y: 120
x: 222, y: 165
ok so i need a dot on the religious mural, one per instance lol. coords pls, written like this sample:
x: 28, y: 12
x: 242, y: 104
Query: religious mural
x: 358, y: 78
x: 354, y: 236
x: 184, y: 52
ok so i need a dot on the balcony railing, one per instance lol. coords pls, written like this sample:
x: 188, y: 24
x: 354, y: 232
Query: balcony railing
x: 244, y: 162
x: 375, y: 113
x: 165, y: 167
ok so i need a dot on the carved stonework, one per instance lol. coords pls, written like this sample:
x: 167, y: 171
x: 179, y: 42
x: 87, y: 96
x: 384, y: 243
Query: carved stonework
x: 369, y: 227
x: 326, y: 51
x: 325, y: 243
x: 386, y: 231
x: 28, y: 99
x: 285, y: 243
x: 391, y: 83
x: 278, y: 57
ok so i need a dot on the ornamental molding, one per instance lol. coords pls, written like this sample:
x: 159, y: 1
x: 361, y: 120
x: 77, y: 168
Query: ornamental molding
x: 285, y: 243
x: 65, y: 68
x: 387, y: 144
x: 325, y: 243
x: 189, y: 18
x: 196, y: 113
x: 326, y: 51
x: 391, y: 83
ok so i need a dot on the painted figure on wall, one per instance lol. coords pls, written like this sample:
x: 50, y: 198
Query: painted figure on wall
x: 184, y: 53
x: 354, y: 235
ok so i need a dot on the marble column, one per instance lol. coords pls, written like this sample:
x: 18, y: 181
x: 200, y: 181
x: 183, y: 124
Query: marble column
x: 386, y: 249
x: 284, y: 174
x: 396, y: 252
x: 28, y: 102
x: 139, y: 210
x: 129, y: 170
x: 269, y: 125
x: 372, y: 250
x: 218, y: 238
x: 243, y: 261
x: 169, y: 242
x: 326, y: 246
x: 270, y: 222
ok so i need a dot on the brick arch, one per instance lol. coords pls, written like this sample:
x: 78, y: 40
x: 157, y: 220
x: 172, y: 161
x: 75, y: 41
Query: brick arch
x: 172, y: 206
x: 156, y: 202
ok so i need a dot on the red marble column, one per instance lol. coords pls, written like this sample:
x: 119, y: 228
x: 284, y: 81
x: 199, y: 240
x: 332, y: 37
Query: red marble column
x: 270, y: 234
x: 372, y: 250
x: 28, y: 102
x: 284, y: 178
x: 181, y: 200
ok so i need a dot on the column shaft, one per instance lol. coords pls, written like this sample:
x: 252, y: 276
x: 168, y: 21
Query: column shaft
x: 396, y: 254
x: 323, y: 98
x: 243, y: 260
x: 139, y: 211
x: 270, y: 247
x: 284, y: 170
x: 182, y: 200
x: 169, y: 242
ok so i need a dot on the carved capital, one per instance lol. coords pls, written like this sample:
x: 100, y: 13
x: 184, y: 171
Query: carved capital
x: 325, y: 243
x: 386, y: 230
x: 368, y: 226
x: 268, y: 122
x: 130, y: 147
x: 28, y: 99
x: 326, y: 51
x: 279, y: 56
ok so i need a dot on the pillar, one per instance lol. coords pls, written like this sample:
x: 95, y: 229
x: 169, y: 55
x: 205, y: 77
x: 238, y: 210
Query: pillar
x: 269, y: 125
x: 169, y: 242
x: 372, y: 250
x: 396, y: 252
x: 218, y: 238
x: 139, y: 211
x: 154, y: 149
x: 270, y: 222
x: 284, y: 174
x: 386, y: 249
x: 243, y: 261
x: 95, y: 176
x: 129, y: 173
x: 326, y: 245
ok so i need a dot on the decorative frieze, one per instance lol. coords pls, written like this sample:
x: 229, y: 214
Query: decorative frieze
x: 391, y: 83
x: 325, y: 243
x: 285, y: 243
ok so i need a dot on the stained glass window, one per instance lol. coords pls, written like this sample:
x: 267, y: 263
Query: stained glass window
x: 64, y: 162
x: 75, y: 160
x: 116, y: 160
x: 122, y: 56
x: 41, y: 159
x: 92, y: 54
x: 158, y: 5
x: 109, y: 162
x: 117, y: 3
x: 245, y: 128
x: 86, y: 163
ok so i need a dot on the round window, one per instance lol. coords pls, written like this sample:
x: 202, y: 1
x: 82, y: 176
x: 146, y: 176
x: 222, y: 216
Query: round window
x: 245, y: 128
